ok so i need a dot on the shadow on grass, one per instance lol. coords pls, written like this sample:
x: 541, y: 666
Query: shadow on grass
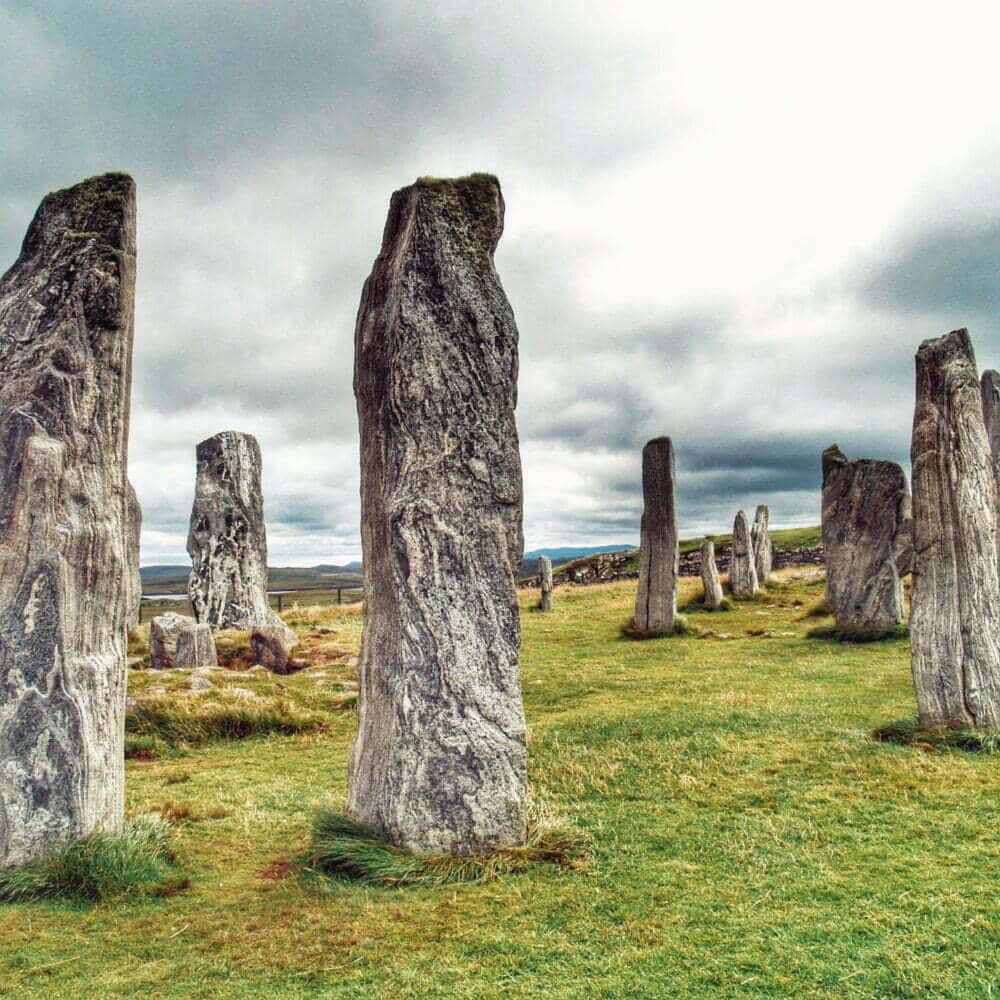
x: 344, y: 849
x: 909, y: 733
x: 859, y: 635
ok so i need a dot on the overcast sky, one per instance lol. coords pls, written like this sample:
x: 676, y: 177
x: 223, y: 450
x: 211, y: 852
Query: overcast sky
x: 729, y: 223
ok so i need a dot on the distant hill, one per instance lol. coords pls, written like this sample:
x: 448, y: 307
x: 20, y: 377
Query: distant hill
x: 174, y: 579
x: 529, y: 564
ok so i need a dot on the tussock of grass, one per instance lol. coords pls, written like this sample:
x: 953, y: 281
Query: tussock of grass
x: 345, y: 849
x: 859, y: 635
x: 138, y: 861
x: 819, y: 610
x: 697, y: 606
x: 908, y: 732
x: 681, y: 627
x: 155, y: 723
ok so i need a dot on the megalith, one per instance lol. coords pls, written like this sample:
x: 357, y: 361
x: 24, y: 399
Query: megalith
x: 866, y: 523
x: 227, y: 541
x: 763, y: 551
x: 742, y: 566
x: 545, y: 582
x: 710, y: 581
x: 955, y: 607
x: 66, y: 315
x: 164, y: 631
x: 989, y: 388
x: 133, y: 578
x: 439, y: 761
x: 656, y: 594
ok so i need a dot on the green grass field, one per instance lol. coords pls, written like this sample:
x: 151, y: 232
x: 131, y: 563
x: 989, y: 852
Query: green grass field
x: 748, y: 837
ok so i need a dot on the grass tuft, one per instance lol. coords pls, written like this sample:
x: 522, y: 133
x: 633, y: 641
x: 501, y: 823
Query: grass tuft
x: 344, y: 849
x: 139, y: 861
x: 859, y: 635
x: 681, y: 627
x: 909, y: 733
x: 819, y: 610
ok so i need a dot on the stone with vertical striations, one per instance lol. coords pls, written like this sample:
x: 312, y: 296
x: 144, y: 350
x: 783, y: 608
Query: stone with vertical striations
x: 439, y: 761
x: 545, y: 582
x: 760, y: 538
x: 66, y: 314
x: 656, y: 594
x: 710, y: 581
x: 989, y: 388
x: 133, y: 578
x: 866, y: 544
x: 195, y: 648
x: 955, y: 608
x: 164, y: 631
x: 227, y: 541
x: 742, y: 566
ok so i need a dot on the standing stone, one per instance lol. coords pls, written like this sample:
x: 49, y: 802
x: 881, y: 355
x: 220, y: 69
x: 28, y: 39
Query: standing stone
x: 656, y: 595
x: 545, y: 580
x: 439, y: 761
x: 227, y: 542
x: 866, y: 525
x: 164, y: 631
x: 955, y: 616
x: 133, y: 578
x: 989, y: 388
x: 710, y: 577
x: 760, y: 538
x: 742, y: 567
x: 195, y: 648
x: 66, y: 309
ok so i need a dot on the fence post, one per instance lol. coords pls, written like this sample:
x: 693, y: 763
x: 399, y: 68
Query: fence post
x: 340, y: 596
x: 279, y: 603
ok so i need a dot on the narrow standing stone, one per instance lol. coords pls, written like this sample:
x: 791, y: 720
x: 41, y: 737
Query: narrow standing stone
x: 710, y: 576
x: 227, y: 541
x: 545, y: 581
x: 133, y: 578
x: 866, y: 524
x: 742, y: 568
x: 989, y: 388
x: 66, y: 310
x: 955, y: 615
x: 439, y: 761
x: 656, y: 595
x: 763, y: 551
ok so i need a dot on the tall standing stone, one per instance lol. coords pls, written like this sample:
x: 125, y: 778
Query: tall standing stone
x: 955, y: 613
x: 866, y: 540
x: 133, y: 578
x: 439, y: 760
x: 760, y: 538
x: 710, y: 576
x: 66, y: 309
x: 656, y: 595
x: 742, y: 566
x: 989, y: 388
x: 545, y: 582
x: 227, y: 541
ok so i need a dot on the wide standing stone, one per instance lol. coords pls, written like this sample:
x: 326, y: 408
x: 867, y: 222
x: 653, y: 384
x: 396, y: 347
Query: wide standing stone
x: 710, y: 576
x: 545, y: 581
x: 195, y: 648
x: 760, y: 538
x: 656, y: 594
x: 955, y: 613
x: 66, y: 309
x: 742, y: 567
x: 866, y: 524
x: 133, y: 578
x: 227, y: 541
x: 164, y: 631
x: 439, y: 761
x: 272, y: 645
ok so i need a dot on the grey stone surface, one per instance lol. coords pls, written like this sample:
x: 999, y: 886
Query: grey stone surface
x: 272, y: 645
x: 742, y: 565
x: 955, y: 612
x: 164, y: 631
x: 545, y: 581
x: 656, y: 593
x: 227, y: 541
x: 763, y: 550
x: 866, y: 525
x: 195, y: 647
x: 66, y: 314
x: 133, y: 528
x: 711, y: 583
x: 439, y: 761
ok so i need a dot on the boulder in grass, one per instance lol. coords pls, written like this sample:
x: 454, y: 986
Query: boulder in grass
x: 272, y: 647
x: 164, y: 631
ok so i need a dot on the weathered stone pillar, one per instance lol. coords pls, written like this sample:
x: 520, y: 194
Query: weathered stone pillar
x: 710, y: 576
x: 133, y: 529
x: 742, y: 567
x: 227, y: 540
x: 545, y: 582
x: 66, y: 309
x: 439, y: 761
x: 955, y: 614
x: 866, y: 523
x: 656, y: 595
x: 989, y: 387
x: 760, y: 538
x: 195, y: 648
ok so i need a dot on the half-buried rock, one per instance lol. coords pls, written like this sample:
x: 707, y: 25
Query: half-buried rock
x: 227, y: 541
x: 439, y: 761
x: 164, y: 631
x: 272, y: 645
x: 742, y: 564
x: 66, y: 309
x: 195, y: 648
x: 866, y: 522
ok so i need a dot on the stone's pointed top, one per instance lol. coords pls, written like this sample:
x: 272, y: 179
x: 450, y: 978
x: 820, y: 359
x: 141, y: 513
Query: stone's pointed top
x: 956, y: 342
x: 832, y: 457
